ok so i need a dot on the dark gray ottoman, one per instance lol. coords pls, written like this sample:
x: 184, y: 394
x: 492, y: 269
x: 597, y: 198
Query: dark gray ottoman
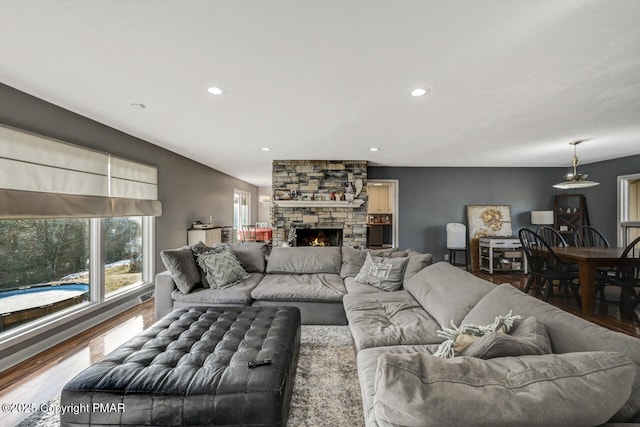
x: 192, y: 368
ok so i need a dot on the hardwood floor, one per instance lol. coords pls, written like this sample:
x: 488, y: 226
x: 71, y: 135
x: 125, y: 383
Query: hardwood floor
x: 607, y: 314
x: 42, y: 377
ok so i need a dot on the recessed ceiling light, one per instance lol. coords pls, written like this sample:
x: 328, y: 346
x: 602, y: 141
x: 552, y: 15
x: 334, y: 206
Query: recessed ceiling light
x: 137, y: 106
x: 419, y: 91
x: 374, y: 149
x: 215, y: 90
x: 266, y: 149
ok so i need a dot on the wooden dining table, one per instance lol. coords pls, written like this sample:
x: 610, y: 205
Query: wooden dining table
x: 588, y: 260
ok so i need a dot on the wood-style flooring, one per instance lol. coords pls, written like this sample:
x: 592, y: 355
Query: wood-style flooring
x: 42, y: 377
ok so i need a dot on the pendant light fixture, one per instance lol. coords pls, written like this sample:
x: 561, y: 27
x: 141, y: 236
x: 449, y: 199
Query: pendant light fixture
x: 575, y: 179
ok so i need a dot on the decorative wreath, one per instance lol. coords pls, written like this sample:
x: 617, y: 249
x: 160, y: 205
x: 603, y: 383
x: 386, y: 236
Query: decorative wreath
x: 493, y: 219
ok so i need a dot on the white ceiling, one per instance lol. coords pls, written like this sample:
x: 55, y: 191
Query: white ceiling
x: 512, y: 82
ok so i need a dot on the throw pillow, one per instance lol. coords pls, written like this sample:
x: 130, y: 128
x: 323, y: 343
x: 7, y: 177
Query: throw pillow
x: 382, y: 272
x: 222, y: 267
x: 200, y: 248
x: 417, y: 262
x: 182, y: 268
x: 571, y: 389
x: 527, y: 338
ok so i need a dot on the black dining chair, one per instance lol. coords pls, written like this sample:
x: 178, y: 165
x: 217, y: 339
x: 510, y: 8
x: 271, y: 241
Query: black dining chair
x: 590, y: 237
x: 545, y: 268
x: 552, y: 236
x: 627, y: 277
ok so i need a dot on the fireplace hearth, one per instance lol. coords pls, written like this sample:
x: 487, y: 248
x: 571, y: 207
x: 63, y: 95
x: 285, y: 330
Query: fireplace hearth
x: 318, y: 237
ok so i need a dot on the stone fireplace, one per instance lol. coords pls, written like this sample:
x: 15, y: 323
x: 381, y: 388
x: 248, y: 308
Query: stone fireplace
x: 318, y: 237
x: 315, y: 183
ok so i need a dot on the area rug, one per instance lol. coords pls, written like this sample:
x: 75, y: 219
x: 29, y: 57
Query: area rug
x: 326, y: 390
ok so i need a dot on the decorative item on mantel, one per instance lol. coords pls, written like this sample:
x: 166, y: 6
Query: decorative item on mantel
x: 348, y: 193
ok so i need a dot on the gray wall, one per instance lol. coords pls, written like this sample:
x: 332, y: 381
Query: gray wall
x: 429, y: 198
x: 188, y: 190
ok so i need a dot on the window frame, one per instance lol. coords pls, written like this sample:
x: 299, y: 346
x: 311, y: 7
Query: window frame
x: 241, y: 193
x: 624, y: 199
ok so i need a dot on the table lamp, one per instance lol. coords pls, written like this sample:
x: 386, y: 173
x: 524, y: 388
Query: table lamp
x: 542, y: 217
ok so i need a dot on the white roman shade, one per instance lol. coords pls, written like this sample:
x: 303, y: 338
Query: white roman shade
x: 41, y: 177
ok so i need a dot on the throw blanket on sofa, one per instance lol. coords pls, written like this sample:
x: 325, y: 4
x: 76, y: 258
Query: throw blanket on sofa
x: 459, y: 338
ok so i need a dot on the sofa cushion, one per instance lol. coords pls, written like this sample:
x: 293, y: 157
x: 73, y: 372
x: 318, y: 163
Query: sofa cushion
x: 355, y: 287
x: 239, y: 294
x: 300, y: 287
x: 367, y: 363
x: 252, y: 255
x: 385, y: 273
x: 447, y: 292
x: 182, y: 266
x: 417, y: 261
x: 528, y: 337
x: 222, y: 267
x: 568, y: 333
x: 388, y: 318
x: 304, y: 260
x: 577, y: 389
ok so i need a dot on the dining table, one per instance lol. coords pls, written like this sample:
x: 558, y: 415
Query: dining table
x: 588, y: 260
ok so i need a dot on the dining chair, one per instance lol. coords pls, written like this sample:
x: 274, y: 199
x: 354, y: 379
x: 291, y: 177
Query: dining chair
x: 545, y: 268
x: 627, y: 277
x: 590, y: 237
x: 552, y: 236
x: 587, y: 236
x: 262, y: 224
x: 249, y: 233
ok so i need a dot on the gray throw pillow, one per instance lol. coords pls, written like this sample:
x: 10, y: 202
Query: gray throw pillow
x: 222, y: 267
x: 182, y: 268
x: 200, y: 248
x: 529, y: 337
x: 417, y: 262
x: 553, y: 390
x: 382, y: 272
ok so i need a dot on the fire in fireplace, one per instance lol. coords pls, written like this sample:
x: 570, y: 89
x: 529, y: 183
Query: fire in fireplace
x: 318, y: 237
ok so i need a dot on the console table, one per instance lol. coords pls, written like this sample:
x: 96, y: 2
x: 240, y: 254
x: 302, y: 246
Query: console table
x: 498, y: 253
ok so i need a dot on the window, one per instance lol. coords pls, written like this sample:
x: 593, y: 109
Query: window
x: 628, y: 208
x: 241, y: 208
x: 123, y: 253
x: 45, y: 264
x: 76, y: 232
x: 44, y: 268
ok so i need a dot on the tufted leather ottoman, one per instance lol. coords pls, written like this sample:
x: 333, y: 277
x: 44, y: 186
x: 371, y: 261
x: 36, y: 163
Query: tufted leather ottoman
x: 191, y: 368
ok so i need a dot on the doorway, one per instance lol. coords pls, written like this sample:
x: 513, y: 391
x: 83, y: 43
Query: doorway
x: 382, y: 213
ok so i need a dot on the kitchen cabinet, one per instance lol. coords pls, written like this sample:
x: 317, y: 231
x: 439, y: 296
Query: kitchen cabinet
x: 380, y: 199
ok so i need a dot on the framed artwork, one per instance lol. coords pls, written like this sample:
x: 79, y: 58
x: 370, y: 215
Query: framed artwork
x: 489, y: 220
x: 483, y: 221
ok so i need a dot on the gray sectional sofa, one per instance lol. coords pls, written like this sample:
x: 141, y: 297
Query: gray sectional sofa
x: 314, y: 279
x: 589, y: 376
x: 591, y: 379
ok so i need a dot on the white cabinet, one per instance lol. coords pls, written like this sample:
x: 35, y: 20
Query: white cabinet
x: 502, y: 254
x: 208, y: 236
x: 379, y: 199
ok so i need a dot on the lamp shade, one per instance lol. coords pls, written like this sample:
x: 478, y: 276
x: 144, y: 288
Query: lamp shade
x: 542, y: 217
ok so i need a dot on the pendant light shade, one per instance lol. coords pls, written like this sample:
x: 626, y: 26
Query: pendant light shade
x: 575, y: 180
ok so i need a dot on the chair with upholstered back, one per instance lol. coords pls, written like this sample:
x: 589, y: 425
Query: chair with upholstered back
x: 552, y: 236
x: 545, y: 267
x: 590, y: 237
